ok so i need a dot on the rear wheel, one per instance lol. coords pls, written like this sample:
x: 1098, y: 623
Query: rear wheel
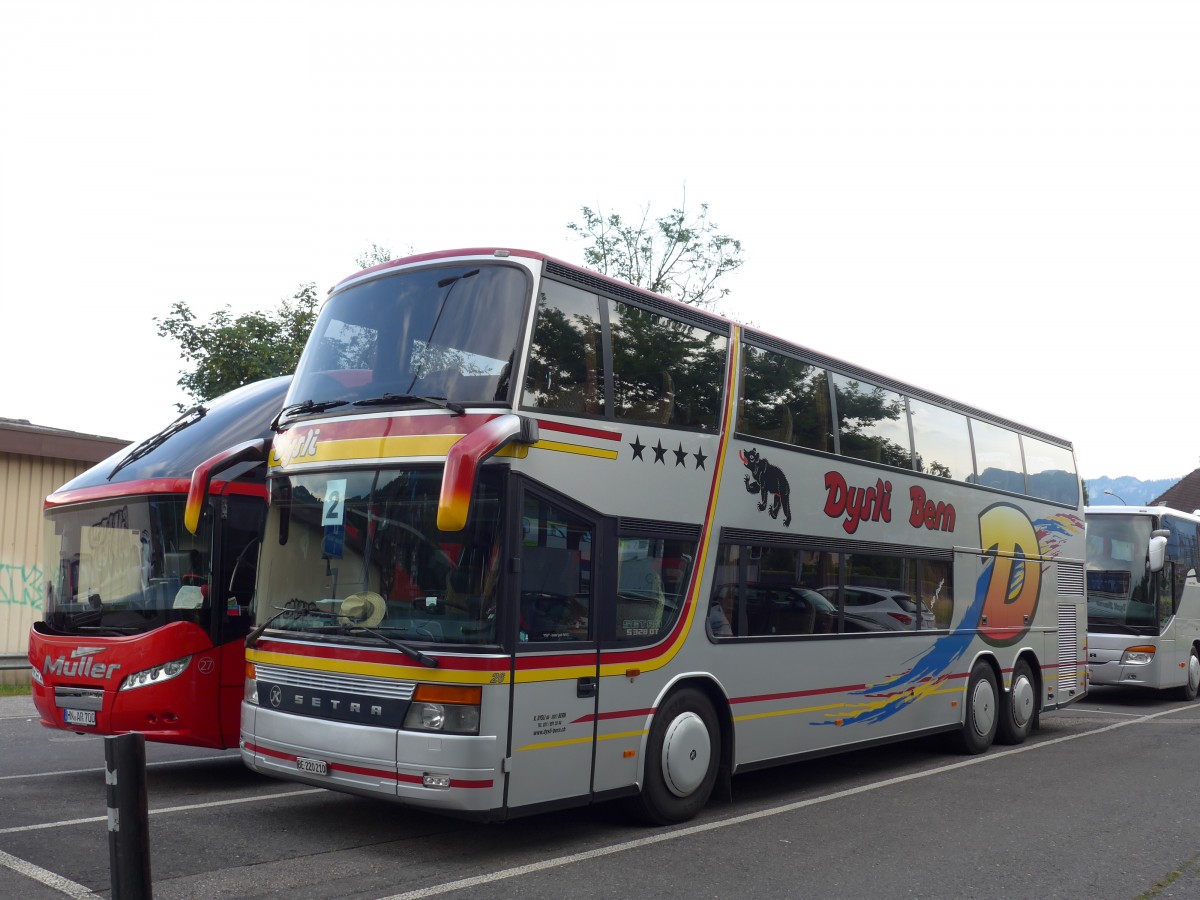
x: 980, y: 718
x: 682, y: 758
x: 1192, y: 686
x: 1018, y: 707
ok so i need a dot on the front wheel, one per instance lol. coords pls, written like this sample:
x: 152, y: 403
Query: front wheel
x: 1191, y: 687
x: 682, y: 759
x: 1018, y: 708
x: 980, y: 718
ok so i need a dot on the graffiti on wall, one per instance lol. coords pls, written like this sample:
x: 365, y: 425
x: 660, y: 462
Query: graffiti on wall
x: 21, y: 585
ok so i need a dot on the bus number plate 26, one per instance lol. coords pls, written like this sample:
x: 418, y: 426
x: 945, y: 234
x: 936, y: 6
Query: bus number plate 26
x: 80, y: 717
x: 312, y: 766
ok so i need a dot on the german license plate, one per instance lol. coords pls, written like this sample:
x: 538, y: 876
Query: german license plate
x: 312, y: 766
x: 80, y: 717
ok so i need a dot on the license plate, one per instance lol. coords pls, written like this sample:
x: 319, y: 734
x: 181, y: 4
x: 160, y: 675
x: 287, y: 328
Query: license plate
x: 80, y: 717
x: 312, y: 766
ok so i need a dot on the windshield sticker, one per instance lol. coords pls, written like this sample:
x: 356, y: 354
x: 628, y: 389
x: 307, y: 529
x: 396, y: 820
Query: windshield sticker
x: 335, y: 502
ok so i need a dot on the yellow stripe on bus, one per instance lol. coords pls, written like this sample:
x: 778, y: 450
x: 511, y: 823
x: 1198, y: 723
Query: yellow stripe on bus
x: 577, y: 449
x: 398, y: 672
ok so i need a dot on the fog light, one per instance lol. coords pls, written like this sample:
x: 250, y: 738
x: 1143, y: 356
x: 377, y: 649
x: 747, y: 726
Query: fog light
x: 430, y: 780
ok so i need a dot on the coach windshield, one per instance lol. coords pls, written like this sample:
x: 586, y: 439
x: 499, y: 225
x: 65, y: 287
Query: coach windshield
x: 357, y: 554
x: 444, y: 332
x: 1120, y: 591
x: 125, y: 567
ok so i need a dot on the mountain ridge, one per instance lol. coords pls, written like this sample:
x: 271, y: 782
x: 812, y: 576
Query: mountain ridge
x: 1134, y: 491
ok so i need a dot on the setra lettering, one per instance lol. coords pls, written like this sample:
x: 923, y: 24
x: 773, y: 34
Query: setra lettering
x: 871, y: 504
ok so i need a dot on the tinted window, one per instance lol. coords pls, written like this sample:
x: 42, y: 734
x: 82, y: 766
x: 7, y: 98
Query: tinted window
x: 1050, y: 471
x: 872, y: 423
x: 566, y: 361
x: 997, y: 457
x: 446, y: 331
x: 652, y: 576
x: 942, y: 441
x: 665, y: 371
x: 785, y: 399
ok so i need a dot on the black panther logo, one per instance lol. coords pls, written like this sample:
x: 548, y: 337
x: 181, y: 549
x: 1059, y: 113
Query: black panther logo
x: 768, y: 479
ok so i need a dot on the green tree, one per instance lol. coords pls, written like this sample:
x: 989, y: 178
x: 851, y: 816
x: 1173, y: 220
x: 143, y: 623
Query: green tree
x: 680, y: 255
x: 228, y: 352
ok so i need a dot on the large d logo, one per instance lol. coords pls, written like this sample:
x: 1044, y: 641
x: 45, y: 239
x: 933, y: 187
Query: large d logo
x: 1013, y: 574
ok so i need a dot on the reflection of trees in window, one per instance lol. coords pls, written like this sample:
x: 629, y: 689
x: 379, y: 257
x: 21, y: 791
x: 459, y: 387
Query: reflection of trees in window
x: 784, y: 399
x: 347, y: 346
x: 872, y: 423
x: 565, y: 363
x: 664, y: 370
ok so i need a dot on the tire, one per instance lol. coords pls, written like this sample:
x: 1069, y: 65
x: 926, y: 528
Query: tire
x: 682, y: 758
x: 1191, y: 687
x: 981, y: 716
x: 1018, y: 708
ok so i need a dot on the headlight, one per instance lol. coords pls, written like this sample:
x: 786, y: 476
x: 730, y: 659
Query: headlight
x: 157, y: 675
x: 444, y: 709
x: 1138, y: 656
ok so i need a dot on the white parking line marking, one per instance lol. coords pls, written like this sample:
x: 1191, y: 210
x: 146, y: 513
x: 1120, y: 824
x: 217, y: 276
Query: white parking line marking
x: 46, y: 877
x: 543, y: 865
x: 166, y: 809
x: 100, y: 770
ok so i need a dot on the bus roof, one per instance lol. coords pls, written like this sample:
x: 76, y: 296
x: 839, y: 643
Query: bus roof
x: 698, y: 316
x: 174, y: 452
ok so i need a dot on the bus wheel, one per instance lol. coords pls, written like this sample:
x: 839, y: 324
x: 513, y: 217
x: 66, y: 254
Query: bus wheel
x: 1018, y: 707
x: 1192, y: 687
x: 682, y: 757
x: 980, y: 718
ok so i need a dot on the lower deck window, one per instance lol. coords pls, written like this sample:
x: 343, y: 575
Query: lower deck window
x: 765, y: 591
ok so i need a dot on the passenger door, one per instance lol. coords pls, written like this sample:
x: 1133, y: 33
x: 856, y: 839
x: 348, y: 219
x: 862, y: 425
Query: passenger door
x: 555, y: 676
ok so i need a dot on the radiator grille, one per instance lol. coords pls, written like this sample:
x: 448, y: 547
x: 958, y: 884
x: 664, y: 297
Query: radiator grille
x: 1070, y: 579
x: 1068, y: 648
x: 328, y: 681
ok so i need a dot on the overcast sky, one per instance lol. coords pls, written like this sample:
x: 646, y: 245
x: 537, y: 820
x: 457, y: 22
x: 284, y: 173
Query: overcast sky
x: 996, y: 202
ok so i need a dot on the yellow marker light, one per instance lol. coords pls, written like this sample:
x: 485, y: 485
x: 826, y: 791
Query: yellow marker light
x: 471, y: 695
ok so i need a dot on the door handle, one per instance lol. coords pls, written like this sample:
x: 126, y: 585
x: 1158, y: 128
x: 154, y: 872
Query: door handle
x: 585, y: 687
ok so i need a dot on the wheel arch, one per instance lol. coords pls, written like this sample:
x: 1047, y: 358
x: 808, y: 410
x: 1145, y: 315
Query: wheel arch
x: 713, y: 690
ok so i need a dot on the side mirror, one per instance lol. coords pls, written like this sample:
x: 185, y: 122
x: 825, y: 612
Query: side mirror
x: 1158, y: 550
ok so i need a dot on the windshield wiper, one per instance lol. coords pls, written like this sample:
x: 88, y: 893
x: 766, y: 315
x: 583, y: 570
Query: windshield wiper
x: 191, y: 417
x: 293, y: 607
x: 385, y: 399
x: 407, y: 649
x: 310, y: 609
x: 305, y: 406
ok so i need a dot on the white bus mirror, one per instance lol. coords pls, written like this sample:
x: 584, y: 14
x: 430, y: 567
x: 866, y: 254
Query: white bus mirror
x: 1158, y: 552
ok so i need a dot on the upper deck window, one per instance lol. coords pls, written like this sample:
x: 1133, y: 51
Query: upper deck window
x: 998, y: 457
x: 872, y: 422
x: 597, y: 356
x: 444, y: 331
x: 785, y: 399
x: 1050, y: 471
x: 942, y: 440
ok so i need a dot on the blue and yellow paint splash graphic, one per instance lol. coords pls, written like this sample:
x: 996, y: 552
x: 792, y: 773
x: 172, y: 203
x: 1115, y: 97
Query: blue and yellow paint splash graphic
x: 1007, y: 591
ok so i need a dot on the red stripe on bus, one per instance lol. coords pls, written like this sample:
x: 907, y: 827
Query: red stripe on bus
x: 381, y: 657
x: 148, y: 486
x: 580, y: 430
x: 370, y: 773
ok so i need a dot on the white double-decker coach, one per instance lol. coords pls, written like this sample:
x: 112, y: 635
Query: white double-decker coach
x: 538, y: 538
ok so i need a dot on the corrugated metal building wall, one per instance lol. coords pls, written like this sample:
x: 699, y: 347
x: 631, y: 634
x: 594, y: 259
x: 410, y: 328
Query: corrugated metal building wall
x: 34, y: 462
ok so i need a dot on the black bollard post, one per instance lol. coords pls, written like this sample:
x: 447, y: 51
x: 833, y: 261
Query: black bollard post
x: 128, y: 818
